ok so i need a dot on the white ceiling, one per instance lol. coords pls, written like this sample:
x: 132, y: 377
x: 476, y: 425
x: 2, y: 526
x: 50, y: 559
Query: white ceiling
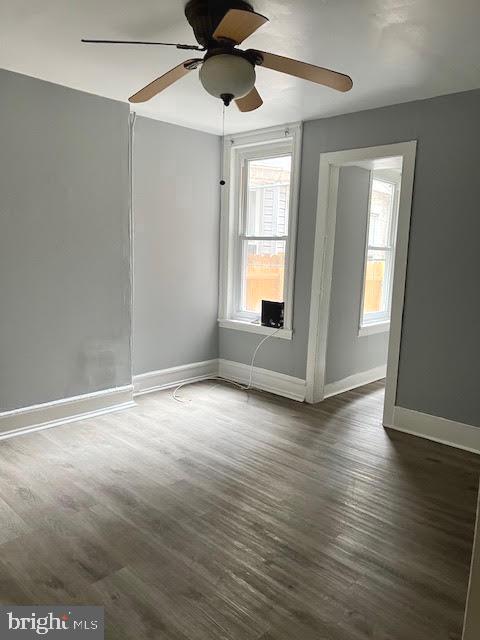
x: 395, y: 51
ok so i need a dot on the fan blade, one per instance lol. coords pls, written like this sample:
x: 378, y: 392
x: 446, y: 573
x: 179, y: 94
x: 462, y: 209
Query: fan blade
x: 304, y: 70
x: 165, y: 81
x: 237, y: 25
x: 250, y: 102
x: 165, y: 44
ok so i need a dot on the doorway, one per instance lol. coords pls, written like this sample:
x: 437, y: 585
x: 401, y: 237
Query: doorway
x: 357, y: 295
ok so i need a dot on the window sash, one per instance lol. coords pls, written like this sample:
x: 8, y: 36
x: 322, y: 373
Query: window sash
x: 284, y: 150
x: 242, y: 312
x: 376, y: 317
x: 391, y: 215
x: 243, y: 236
x: 274, y: 150
x: 370, y: 318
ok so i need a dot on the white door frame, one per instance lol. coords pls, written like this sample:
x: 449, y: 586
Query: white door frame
x: 330, y: 164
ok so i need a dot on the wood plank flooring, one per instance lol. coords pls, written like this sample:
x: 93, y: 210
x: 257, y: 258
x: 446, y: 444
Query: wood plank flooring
x: 240, y: 516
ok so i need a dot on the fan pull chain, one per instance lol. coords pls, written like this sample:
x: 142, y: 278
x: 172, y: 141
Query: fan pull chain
x: 222, y: 181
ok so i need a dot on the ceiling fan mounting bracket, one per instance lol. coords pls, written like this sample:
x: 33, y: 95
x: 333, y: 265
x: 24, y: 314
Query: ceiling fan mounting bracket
x: 226, y: 43
x: 204, y: 16
x: 255, y: 57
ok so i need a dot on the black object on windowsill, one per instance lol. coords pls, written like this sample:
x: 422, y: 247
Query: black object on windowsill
x: 272, y: 314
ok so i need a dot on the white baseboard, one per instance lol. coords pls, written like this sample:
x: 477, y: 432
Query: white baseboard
x: 354, y: 381
x: 52, y: 414
x: 168, y: 378
x: 455, y: 434
x: 264, y: 379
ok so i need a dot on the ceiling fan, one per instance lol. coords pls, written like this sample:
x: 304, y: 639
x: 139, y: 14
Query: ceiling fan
x: 227, y: 72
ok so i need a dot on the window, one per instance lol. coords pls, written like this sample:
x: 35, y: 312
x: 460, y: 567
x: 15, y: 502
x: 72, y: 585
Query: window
x: 258, y: 226
x: 264, y: 233
x: 380, y: 253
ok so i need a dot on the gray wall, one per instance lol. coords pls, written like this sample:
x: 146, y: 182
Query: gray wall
x: 441, y: 336
x: 64, y: 243
x: 176, y: 245
x: 347, y: 353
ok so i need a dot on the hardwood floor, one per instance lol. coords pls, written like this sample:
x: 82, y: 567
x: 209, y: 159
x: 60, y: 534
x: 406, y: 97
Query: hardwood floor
x: 240, y: 516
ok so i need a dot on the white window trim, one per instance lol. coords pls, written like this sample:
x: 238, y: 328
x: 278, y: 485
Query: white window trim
x: 233, y: 148
x: 252, y: 327
x: 379, y: 322
x: 373, y: 328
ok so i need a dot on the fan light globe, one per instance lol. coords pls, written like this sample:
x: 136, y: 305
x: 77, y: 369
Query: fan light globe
x: 227, y: 75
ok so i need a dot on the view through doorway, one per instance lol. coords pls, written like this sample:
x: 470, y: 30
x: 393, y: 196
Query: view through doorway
x: 359, y: 269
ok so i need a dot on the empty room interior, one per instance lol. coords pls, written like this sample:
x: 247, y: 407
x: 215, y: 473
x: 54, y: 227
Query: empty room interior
x: 239, y: 319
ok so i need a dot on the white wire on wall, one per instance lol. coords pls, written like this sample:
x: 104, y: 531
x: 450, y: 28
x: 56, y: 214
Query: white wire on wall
x: 131, y: 140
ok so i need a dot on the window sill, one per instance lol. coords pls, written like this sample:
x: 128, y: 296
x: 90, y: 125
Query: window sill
x: 250, y: 327
x: 371, y: 329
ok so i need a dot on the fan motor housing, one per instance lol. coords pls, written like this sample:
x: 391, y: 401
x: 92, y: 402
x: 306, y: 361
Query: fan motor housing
x: 204, y: 16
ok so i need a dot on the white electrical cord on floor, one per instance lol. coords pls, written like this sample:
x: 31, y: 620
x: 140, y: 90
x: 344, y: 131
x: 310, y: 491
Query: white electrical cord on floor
x: 237, y: 384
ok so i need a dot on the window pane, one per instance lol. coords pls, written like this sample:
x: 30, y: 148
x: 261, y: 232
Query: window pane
x: 376, y: 299
x: 381, y: 209
x: 263, y: 272
x: 268, y: 192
